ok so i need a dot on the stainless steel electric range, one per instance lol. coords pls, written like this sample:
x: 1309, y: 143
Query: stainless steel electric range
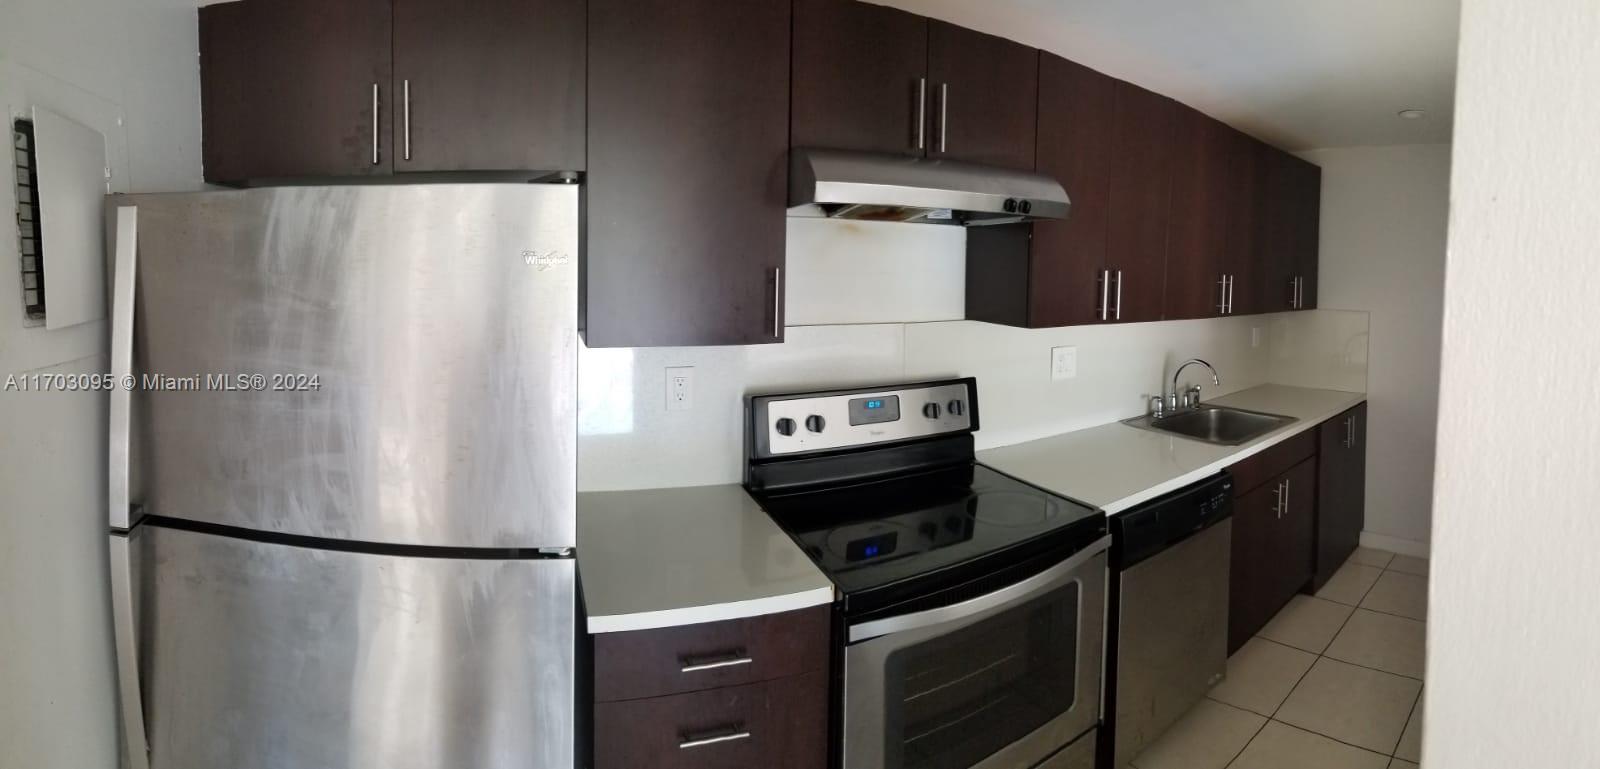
x: 973, y: 611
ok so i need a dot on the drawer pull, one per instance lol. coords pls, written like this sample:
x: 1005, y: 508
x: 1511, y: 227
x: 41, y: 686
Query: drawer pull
x: 696, y: 664
x: 729, y: 734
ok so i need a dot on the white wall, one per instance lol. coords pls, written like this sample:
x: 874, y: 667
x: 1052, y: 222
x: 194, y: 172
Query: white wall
x: 1513, y: 674
x: 127, y: 68
x: 1384, y: 221
x: 627, y: 438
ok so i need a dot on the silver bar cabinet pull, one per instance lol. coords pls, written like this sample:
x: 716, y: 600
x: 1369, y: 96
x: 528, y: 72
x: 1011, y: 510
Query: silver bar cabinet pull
x: 1286, y: 496
x: 1222, y: 303
x: 727, y: 735
x: 944, y: 116
x: 731, y: 659
x: 374, y: 123
x: 1277, y: 505
x: 1119, y: 295
x: 922, y: 113
x: 777, y: 302
x: 1232, y: 280
x: 405, y: 107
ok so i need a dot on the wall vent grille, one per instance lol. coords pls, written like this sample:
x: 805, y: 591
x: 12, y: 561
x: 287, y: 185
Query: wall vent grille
x: 30, y: 244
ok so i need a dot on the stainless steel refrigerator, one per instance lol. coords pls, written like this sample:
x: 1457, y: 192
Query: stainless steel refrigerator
x: 342, y: 486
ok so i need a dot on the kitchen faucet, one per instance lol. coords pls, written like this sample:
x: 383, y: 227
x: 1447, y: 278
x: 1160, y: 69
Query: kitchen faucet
x: 1191, y: 397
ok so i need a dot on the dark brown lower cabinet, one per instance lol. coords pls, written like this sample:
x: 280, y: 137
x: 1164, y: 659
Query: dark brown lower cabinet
x: 739, y: 693
x: 1273, y: 528
x: 1341, y: 490
x: 781, y: 724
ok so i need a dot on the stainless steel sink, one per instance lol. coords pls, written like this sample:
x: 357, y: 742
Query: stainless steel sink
x: 1219, y: 425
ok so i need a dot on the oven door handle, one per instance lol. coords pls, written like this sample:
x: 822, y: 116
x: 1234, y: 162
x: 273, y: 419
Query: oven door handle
x: 1016, y: 593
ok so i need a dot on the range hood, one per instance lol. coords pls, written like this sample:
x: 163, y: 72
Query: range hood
x: 847, y: 184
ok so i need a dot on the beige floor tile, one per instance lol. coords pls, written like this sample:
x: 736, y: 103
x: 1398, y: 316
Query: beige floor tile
x: 1207, y: 737
x: 1397, y: 593
x: 1279, y: 746
x: 1411, y: 741
x: 1260, y: 675
x: 1307, y: 623
x: 1400, y: 763
x: 1352, y: 704
x: 1370, y: 556
x: 1350, y: 583
x: 1383, y: 641
x: 1409, y: 565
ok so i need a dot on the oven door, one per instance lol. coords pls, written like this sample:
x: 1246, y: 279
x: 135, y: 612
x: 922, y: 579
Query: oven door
x: 1001, y: 681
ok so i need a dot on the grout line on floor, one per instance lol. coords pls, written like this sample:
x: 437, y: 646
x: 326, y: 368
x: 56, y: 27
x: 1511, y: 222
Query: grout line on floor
x: 1335, y: 739
x: 1417, y: 703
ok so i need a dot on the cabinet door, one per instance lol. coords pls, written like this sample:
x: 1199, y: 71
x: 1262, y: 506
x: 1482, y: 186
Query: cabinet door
x: 1305, y: 215
x: 1075, y: 139
x: 688, y: 145
x: 1242, y: 255
x: 1341, y: 490
x: 1296, y: 533
x: 1252, y: 591
x: 779, y: 724
x: 1141, y: 182
x: 497, y: 88
x: 1197, y: 230
x: 860, y: 78
x: 1289, y: 198
x: 288, y: 89
x: 986, y: 93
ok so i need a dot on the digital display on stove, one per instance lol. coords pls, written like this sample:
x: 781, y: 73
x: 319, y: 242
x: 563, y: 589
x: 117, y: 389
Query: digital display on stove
x: 871, y: 547
x: 869, y: 411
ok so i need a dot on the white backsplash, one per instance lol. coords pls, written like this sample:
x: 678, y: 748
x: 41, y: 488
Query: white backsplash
x: 851, y: 289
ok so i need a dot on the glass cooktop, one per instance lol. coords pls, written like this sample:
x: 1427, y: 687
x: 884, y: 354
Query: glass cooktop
x: 937, y: 525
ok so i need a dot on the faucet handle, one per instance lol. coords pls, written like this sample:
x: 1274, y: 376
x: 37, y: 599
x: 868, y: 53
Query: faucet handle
x: 1158, y: 407
x: 1191, y: 398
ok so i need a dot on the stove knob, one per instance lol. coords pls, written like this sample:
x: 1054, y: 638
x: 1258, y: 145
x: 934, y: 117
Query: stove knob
x: 785, y: 426
x: 955, y: 408
x: 815, y: 423
x: 931, y: 411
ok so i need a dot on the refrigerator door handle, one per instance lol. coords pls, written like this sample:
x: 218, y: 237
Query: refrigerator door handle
x: 119, y: 504
x: 124, y: 625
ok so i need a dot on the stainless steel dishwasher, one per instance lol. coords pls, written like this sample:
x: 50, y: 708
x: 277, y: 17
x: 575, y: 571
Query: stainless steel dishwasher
x: 1168, y: 630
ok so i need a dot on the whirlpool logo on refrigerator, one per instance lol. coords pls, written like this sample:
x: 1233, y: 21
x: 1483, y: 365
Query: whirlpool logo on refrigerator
x: 544, y: 260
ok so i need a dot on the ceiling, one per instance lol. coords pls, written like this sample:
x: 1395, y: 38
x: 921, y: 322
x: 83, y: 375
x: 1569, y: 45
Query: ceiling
x: 1303, y: 74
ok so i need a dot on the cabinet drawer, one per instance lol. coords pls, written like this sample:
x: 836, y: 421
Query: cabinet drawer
x: 651, y: 663
x: 1251, y: 473
x: 780, y: 724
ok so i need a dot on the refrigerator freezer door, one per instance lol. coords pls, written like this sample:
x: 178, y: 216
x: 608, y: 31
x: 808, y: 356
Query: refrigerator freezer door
x: 389, y: 364
x: 264, y: 656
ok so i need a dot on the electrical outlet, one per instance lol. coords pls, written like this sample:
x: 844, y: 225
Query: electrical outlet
x: 680, y: 388
x: 1255, y: 336
x: 1063, y: 363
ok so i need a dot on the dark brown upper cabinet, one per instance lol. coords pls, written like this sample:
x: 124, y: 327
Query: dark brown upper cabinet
x: 687, y: 179
x: 310, y: 88
x: 1047, y: 274
x: 860, y: 77
x: 1289, y: 199
x: 295, y: 88
x: 872, y: 78
x: 984, y: 92
x: 1138, y: 205
x: 1241, y: 257
x: 1197, y: 281
x: 496, y: 87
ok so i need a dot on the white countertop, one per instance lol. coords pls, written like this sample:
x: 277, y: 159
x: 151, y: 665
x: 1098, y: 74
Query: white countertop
x: 666, y: 557
x: 1115, y: 467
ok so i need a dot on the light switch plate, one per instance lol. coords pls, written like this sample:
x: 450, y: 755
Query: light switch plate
x: 1063, y: 363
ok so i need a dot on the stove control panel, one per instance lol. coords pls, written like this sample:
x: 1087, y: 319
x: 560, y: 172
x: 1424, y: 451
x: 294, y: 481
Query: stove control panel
x: 843, y: 419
